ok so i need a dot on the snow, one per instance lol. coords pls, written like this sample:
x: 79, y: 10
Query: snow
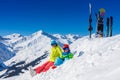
x: 6, y: 52
x: 94, y: 59
x: 100, y: 61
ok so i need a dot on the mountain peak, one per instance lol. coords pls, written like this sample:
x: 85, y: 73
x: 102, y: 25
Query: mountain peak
x: 41, y: 32
x: 38, y: 33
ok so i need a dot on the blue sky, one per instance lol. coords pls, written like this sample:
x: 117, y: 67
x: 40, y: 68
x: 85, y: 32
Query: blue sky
x: 54, y: 16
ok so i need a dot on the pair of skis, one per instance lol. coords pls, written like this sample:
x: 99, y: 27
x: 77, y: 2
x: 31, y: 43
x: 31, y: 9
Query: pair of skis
x: 100, y: 23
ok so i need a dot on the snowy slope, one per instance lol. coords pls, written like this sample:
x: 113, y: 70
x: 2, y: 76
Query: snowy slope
x: 6, y: 52
x: 98, y: 60
x: 95, y: 59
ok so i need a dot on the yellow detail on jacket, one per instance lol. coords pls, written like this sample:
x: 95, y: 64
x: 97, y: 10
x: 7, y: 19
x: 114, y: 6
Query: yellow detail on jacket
x: 55, y: 52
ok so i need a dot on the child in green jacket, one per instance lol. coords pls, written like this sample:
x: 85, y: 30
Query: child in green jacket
x: 66, y: 55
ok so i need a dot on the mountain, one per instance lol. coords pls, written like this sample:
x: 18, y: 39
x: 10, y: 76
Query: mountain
x: 19, y: 42
x: 6, y: 52
x: 29, y: 50
x: 94, y: 59
x: 35, y: 45
x: 69, y: 38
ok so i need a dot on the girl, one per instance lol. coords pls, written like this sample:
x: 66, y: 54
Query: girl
x: 55, y: 52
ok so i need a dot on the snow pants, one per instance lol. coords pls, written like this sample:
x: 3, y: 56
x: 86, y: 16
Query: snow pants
x: 44, y: 67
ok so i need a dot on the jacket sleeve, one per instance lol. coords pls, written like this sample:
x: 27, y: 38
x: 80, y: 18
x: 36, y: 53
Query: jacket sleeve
x: 70, y: 55
x: 60, y: 51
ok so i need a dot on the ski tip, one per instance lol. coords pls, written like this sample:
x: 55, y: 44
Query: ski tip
x: 90, y: 5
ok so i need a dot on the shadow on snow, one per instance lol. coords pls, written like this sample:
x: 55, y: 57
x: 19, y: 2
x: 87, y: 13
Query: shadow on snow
x: 18, y: 68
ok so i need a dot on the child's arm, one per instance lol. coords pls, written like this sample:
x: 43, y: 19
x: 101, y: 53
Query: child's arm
x: 70, y: 55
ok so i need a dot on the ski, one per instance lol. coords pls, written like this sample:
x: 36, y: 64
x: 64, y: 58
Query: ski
x: 111, y: 24
x: 107, y: 30
x: 90, y: 20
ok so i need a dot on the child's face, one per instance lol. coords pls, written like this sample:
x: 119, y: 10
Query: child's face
x: 66, y: 50
x: 54, y: 45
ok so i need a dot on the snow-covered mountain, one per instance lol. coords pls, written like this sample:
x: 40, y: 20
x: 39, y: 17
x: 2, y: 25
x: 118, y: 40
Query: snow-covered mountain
x: 6, y: 52
x: 18, y: 41
x: 94, y: 59
x: 34, y: 45
x: 67, y: 38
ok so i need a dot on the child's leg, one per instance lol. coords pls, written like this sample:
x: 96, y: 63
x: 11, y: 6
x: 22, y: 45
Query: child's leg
x: 47, y: 67
x: 53, y: 67
x: 40, y: 68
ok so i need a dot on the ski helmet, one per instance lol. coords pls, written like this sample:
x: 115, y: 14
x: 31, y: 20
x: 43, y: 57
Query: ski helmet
x: 65, y: 46
x: 53, y: 42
